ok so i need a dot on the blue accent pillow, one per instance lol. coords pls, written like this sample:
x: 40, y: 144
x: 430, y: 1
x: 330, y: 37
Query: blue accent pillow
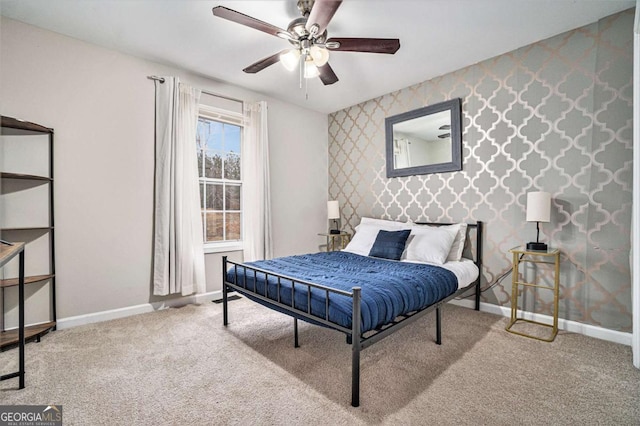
x: 390, y: 244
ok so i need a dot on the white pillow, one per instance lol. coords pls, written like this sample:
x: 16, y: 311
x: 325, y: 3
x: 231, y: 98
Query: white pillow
x: 429, y: 244
x: 387, y: 225
x: 455, y: 254
x: 457, y: 247
x: 365, y: 236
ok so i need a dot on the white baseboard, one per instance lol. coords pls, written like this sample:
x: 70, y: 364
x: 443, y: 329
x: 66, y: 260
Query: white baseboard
x: 69, y: 322
x: 563, y: 324
x: 567, y: 325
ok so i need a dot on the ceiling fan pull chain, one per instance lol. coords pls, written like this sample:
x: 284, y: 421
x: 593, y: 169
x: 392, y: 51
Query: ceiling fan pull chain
x: 306, y: 89
x: 301, y: 68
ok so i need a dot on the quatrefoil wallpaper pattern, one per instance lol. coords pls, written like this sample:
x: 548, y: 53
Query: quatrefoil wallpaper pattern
x: 554, y: 116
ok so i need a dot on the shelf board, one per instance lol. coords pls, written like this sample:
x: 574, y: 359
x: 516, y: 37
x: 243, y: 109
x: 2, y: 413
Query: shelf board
x: 6, y: 175
x: 10, y: 337
x: 27, y: 228
x: 12, y: 282
x: 8, y: 252
x: 14, y: 126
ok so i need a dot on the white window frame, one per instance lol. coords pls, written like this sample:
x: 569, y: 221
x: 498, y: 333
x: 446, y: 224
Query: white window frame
x: 229, y: 117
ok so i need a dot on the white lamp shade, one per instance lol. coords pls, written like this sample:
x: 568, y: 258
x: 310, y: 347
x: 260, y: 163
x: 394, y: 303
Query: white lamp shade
x: 320, y: 55
x: 290, y: 59
x: 333, y: 209
x: 310, y: 70
x: 538, y: 206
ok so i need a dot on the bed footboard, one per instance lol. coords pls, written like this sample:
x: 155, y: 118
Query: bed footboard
x: 353, y: 333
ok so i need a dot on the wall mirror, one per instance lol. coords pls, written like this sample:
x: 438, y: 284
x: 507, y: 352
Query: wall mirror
x: 425, y: 140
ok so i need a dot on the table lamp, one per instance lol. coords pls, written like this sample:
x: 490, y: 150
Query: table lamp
x: 538, y: 210
x: 333, y: 209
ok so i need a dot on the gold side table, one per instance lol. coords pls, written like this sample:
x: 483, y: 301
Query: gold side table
x: 336, y: 241
x: 551, y: 256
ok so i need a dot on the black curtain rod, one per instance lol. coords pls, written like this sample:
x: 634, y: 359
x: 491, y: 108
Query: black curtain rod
x: 161, y: 80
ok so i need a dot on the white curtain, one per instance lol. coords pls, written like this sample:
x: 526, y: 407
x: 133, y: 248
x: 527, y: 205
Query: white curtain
x: 178, y: 260
x: 256, y: 184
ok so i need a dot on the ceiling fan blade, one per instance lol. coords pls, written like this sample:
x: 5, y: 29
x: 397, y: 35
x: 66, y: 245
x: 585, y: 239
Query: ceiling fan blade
x: 263, y: 63
x: 321, y: 13
x: 371, y: 45
x: 327, y: 75
x: 246, y: 20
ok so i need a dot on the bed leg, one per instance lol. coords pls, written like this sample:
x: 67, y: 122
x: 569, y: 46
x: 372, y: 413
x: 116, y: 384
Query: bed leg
x: 355, y: 373
x: 225, y: 314
x: 438, y: 326
x: 295, y: 333
x: 479, y: 261
x: 355, y: 349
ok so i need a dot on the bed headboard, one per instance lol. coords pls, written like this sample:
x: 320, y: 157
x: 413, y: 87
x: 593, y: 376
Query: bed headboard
x: 472, y: 249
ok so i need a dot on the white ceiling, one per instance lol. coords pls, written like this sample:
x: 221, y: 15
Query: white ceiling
x: 436, y: 37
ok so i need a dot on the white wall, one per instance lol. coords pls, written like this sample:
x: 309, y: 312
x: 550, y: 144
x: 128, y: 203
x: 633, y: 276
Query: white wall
x: 101, y: 105
x: 634, y: 255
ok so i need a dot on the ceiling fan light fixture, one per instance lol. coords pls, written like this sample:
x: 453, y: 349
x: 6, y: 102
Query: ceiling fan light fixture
x: 290, y: 59
x: 320, y: 55
x: 304, y: 33
x: 310, y: 70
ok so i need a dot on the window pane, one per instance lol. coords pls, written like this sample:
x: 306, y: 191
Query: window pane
x: 232, y: 138
x: 213, y: 167
x: 233, y: 226
x: 201, y: 133
x: 200, y: 155
x: 214, y: 196
x: 232, y: 197
x: 232, y: 166
x: 219, y: 161
x: 214, y: 139
x: 214, y: 226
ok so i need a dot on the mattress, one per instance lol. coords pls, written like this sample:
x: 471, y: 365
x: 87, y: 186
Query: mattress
x: 465, y: 271
x: 389, y: 288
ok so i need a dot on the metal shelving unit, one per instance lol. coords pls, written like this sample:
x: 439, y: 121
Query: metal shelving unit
x: 10, y: 338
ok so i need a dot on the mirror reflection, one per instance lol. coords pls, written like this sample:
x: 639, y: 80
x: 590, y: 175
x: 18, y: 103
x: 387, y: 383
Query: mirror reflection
x: 426, y: 140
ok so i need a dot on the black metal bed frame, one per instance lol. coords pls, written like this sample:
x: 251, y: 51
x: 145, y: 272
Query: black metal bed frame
x: 357, y: 344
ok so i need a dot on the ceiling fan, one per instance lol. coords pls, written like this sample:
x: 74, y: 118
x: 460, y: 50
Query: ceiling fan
x: 308, y: 35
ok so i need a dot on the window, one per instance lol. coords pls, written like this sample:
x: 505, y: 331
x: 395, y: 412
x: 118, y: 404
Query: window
x: 219, y: 145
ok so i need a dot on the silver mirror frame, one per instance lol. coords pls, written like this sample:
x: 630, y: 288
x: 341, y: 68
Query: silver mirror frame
x: 455, y: 108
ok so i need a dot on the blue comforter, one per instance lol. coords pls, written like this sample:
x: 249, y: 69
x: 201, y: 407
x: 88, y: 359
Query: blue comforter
x: 389, y: 288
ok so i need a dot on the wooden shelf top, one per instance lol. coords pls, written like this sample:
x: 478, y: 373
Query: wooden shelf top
x: 8, y: 252
x: 7, y: 175
x: 10, y: 337
x: 27, y: 228
x: 14, y: 126
x: 12, y: 282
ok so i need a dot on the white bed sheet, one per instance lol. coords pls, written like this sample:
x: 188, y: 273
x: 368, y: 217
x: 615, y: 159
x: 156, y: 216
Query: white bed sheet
x: 465, y: 270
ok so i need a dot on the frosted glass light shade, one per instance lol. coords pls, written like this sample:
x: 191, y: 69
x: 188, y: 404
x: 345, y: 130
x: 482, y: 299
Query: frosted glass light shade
x: 290, y: 59
x: 538, y: 206
x: 320, y: 55
x: 310, y: 70
x: 333, y: 209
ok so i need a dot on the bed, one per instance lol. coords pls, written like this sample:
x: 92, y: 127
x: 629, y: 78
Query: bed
x: 384, y: 290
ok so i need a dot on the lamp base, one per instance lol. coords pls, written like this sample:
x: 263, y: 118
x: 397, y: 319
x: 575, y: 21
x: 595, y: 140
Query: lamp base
x: 537, y: 246
x: 334, y: 231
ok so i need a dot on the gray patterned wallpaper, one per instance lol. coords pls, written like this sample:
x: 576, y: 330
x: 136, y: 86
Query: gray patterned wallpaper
x: 554, y: 116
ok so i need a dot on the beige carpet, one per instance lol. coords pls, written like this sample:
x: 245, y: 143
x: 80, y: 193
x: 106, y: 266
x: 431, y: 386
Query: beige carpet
x: 182, y: 367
